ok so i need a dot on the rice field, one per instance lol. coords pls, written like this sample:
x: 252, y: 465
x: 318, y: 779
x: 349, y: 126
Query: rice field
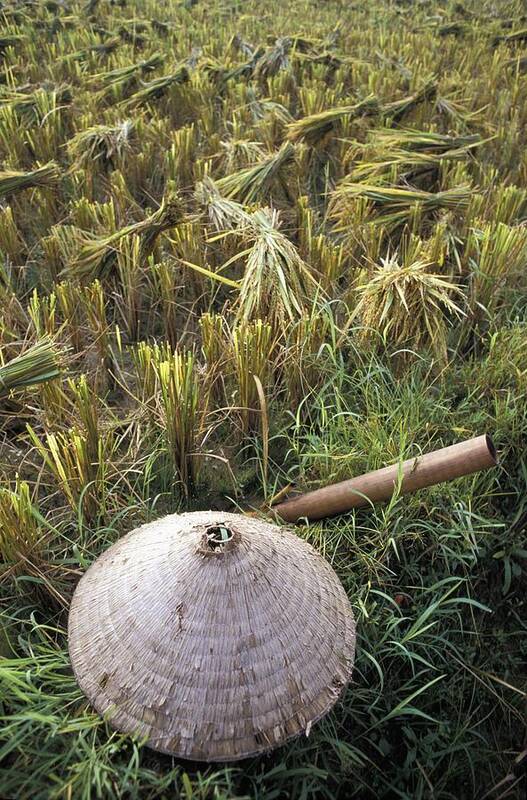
x: 245, y: 248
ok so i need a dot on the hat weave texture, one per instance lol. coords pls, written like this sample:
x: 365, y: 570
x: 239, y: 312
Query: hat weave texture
x: 213, y: 650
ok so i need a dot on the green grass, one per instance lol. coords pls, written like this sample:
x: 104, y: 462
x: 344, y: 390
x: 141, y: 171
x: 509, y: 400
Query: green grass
x: 248, y: 245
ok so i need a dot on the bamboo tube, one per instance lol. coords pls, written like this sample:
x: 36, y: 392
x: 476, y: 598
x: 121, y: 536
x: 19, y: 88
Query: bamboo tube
x: 436, y: 467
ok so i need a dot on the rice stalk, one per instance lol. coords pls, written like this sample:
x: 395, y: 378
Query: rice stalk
x: 407, y: 305
x: 168, y: 286
x: 326, y: 257
x: 12, y: 243
x: 277, y: 284
x: 120, y: 81
x: 315, y: 127
x: 21, y: 540
x: 253, y: 346
x: 254, y: 183
x: 106, y: 145
x: 86, y: 413
x: 11, y: 143
x: 302, y: 368
x: 214, y: 346
x: 94, y: 304
x: 495, y: 253
x: 519, y: 63
x: 42, y: 313
x: 14, y: 321
x: 32, y: 107
x: 68, y: 456
x: 189, y: 246
x: 13, y: 181
x: 38, y: 364
x: 156, y: 89
x: 507, y: 204
x: 70, y: 306
x: 393, y: 206
x: 59, y: 249
x: 181, y: 156
x: 130, y: 269
x: 180, y: 397
x: 97, y: 255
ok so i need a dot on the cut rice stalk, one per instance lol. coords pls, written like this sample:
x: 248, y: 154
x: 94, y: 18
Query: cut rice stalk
x: 39, y: 364
x: 314, y: 128
x: 12, y: 181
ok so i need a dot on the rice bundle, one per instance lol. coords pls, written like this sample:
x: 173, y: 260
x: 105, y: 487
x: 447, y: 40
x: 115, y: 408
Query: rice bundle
x: 13, y: 181
x: 157, y: 88
x: 393, y: 206
x: 314, y: 128
x: 39, y: 364
x: 98, y: 254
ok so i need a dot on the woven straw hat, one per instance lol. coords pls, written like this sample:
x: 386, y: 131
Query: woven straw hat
x: 215, y: 636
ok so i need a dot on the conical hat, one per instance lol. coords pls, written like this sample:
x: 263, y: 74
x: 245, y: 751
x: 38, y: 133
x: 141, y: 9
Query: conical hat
x: 213, y: 650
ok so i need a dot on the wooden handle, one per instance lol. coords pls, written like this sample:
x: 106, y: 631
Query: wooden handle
x: 436, y: 467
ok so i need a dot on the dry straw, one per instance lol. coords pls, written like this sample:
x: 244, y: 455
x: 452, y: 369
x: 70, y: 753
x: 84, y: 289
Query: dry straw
x: 214, y: 636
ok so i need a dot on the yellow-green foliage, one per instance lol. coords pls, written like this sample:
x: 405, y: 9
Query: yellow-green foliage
x: 495, y: 256
x: 20, y: 532
x: 252, y: 344
x: 180, y: 399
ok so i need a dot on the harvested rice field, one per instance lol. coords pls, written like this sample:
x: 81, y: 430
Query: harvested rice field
x: 249, y: 250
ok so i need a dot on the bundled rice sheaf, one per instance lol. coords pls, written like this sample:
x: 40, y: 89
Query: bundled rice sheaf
x: 421, y: 141
x: 102, y: 49
x: 223, y: 214
x: 238, y: 44
x: 408, y: 305
x: 253, y: 183
x: 105, y: 144
x: 97, y: 255
x: 263, y: 107
x: 277, y: 284
x: 125, y: 78
x: 13, y: 181
x: 394, y: 206
x: 246, y: 70
x: 274, y: 59
x: 315, y: 127
x: 133, y: 32
x: 157, y: 88
x: 511, y: 38
x: 412, y: 163
x: 236, y: 153
x: 11, y: 40
x: 397, y: 109
x: 38, y: 364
